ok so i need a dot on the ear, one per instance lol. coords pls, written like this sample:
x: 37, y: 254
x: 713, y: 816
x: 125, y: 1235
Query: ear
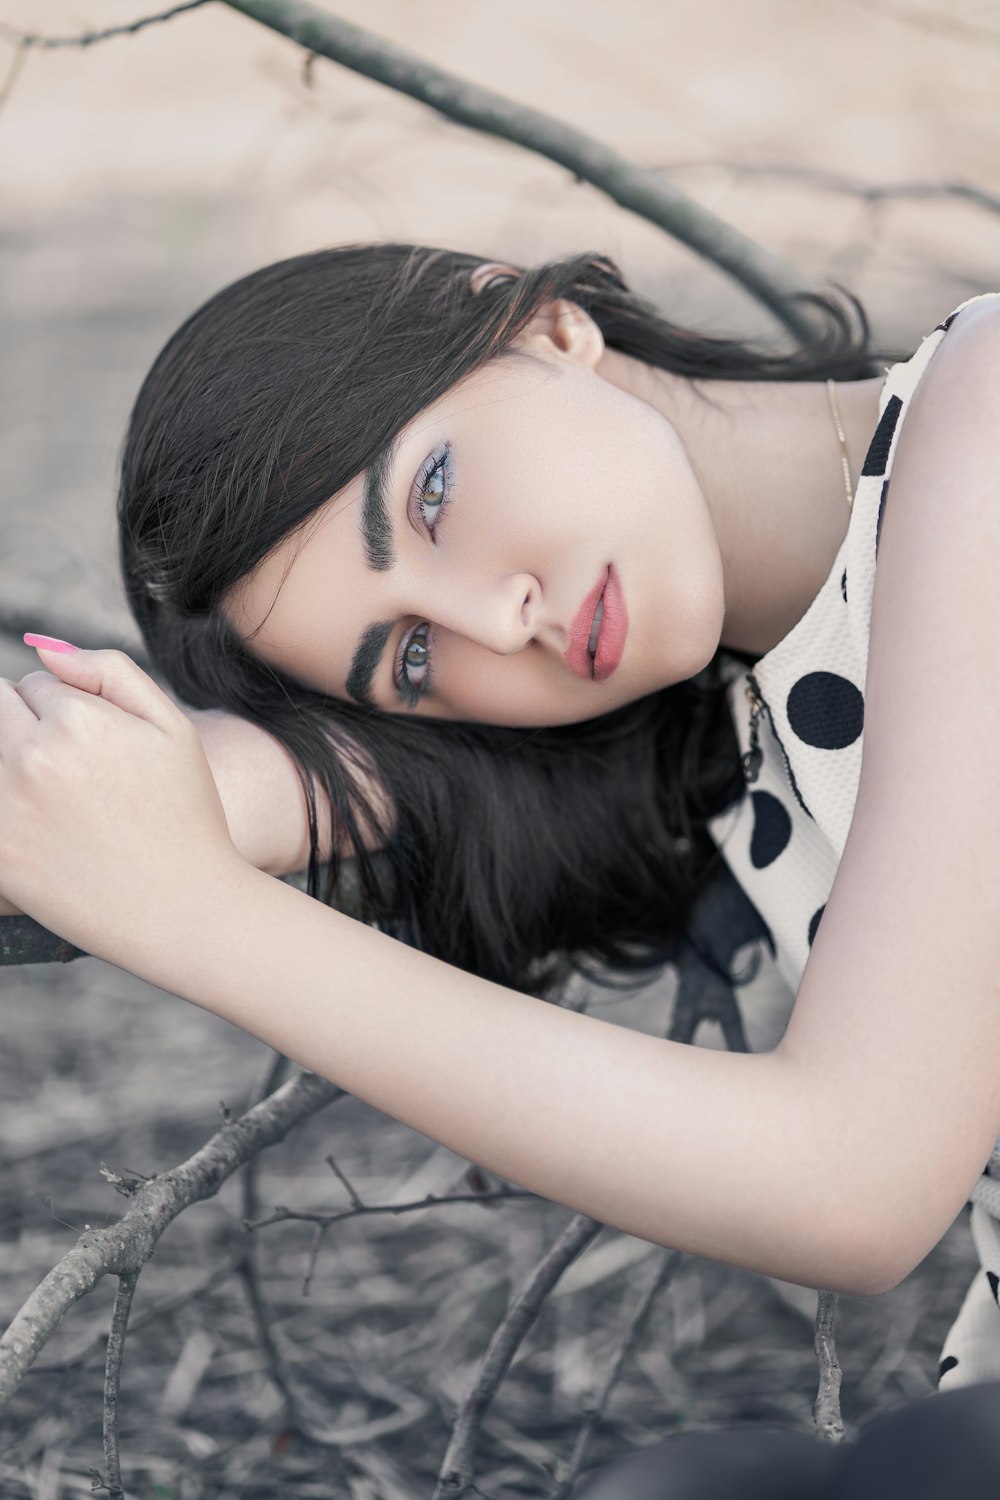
x: 560, y: 325
x: 563, y: 327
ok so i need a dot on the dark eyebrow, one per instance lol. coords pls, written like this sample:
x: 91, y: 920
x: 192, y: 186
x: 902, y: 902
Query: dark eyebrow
x: 376, y: 520
x: 376, y: 535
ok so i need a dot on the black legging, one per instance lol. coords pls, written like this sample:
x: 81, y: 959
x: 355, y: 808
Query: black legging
x: 941, y: 1447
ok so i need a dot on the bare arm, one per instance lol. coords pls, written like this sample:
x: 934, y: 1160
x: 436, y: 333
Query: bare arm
x: 260, y: 791
x: 721, y: 1154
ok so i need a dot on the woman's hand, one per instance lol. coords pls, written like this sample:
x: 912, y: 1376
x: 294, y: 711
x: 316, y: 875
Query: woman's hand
x: 109, y: 809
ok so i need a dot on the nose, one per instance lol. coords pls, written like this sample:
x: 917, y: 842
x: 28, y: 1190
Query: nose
x: 500, y: 614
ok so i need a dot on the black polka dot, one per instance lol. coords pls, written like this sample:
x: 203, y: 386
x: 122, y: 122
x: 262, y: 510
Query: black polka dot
x: 881, y: 513
x: 946, y: 1365
x: 772, y: 828
x: 878, y: 451
x: 843, y: 585
x: 814, y: 923
x: 825, y: 710
x: 994, y: 1282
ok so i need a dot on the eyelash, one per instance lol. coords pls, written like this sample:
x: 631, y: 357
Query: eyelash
x: 439, y: 463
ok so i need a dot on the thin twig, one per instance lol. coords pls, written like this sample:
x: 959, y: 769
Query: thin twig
x: 16, y: 64
x: 314, y: 1249
x: 966, y: 31
x: 170, y: 1304
x: 348, y: 1186
x: 826, y: 1407
x: 88, y: 38
x: 668, y: 1263
x: 280, y: 1213
x: 128, y: 1244
x: 827, y: 181
x: 248, y: 1271
x: 456, y: 1474
x: 763, y: 274
x: 14, y: 622
x: 112, y: 1382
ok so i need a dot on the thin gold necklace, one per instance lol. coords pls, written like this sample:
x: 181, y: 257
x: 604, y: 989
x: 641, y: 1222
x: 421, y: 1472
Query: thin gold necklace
x: 843, y: 443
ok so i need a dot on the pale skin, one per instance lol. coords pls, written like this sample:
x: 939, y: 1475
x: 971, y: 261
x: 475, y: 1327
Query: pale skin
x: 820, y: 1162
x: 722, y: 521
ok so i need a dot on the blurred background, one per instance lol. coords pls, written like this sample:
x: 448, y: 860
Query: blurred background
x: 860, y: 141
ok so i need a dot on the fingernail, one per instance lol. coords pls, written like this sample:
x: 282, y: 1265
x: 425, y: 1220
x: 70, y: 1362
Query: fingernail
x: 47, y: 642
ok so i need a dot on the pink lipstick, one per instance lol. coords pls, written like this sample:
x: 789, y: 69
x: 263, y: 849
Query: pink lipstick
x: 601, y: 621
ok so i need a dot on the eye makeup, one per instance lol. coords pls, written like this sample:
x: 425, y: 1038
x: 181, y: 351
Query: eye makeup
x: 432, y: 493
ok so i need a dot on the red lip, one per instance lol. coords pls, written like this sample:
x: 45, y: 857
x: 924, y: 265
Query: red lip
x: 614, y: 629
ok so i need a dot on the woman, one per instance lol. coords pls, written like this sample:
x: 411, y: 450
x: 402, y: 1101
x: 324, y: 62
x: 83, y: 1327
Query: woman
x: 489, y: 553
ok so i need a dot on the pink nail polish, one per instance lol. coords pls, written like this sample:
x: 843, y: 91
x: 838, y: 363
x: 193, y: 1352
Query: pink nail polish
x: 47, y: 642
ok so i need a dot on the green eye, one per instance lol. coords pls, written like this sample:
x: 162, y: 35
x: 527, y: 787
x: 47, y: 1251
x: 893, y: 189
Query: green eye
x: 416, y: 653
x: 431, y: 498
x: 431, y: 495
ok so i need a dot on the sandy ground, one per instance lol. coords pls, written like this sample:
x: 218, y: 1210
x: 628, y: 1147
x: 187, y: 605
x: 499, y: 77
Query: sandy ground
x: 859, y: 141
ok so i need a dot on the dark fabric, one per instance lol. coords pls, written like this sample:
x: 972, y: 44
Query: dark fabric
x: 943, y: 1446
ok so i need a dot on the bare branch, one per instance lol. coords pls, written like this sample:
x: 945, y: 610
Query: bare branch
x: 668, y: 1263
x: 456, y: 1475
x: 112, y: 1381
x: 764, y: 275
x: 279, y: 1214
x: 349, y: 1187
x: 826, y: 1408
x: 16, y: 64
x: 126, y: 1245
x: 930, y: 21
x: 88, y: 38
x: 14, y: 622
x: 826, y: 180
x: 247, y: 1269
x: 25, y: 941
x: 170, y: 1304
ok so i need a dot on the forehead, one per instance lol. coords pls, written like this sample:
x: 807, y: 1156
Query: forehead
x: 258, y: 606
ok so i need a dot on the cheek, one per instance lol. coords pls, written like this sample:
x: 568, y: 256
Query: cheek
x: 492, y: 690
x: 518, y: 691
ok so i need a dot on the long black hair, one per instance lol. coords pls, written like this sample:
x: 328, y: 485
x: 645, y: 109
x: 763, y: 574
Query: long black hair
x: 517, y: 854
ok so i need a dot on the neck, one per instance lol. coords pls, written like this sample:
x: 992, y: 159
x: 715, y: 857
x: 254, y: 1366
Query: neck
x: 768, y: 461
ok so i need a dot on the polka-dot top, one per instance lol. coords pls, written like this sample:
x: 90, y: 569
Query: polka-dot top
x: 799, y: 719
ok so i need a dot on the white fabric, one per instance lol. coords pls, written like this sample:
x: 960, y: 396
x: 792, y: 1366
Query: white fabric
x: 784, y: 837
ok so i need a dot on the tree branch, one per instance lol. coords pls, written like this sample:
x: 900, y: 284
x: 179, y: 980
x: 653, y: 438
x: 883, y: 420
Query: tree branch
x: 826, y: 1408
x: 14, y: 622
x: 88, y: 38
x: 16, y: 64
x: 409, y: 1408
x: 280, y: 1215
x: 766, y: 276
x: 930, y: 21
x: 668, y: 1263
x: 112, y: 1381
x: 125, y: 1246
x: 455, y: 1477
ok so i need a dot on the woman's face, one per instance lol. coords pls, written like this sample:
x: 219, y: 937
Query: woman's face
x: 506, y: 504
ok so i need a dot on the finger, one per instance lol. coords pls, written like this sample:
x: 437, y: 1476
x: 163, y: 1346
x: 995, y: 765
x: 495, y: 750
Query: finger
x: 35, y: 687
x: 15, y: 714
x: 43, y: 692
x: 117, y: 679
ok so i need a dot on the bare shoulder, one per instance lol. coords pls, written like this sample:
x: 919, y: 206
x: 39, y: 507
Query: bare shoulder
x: 898, y: 1012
